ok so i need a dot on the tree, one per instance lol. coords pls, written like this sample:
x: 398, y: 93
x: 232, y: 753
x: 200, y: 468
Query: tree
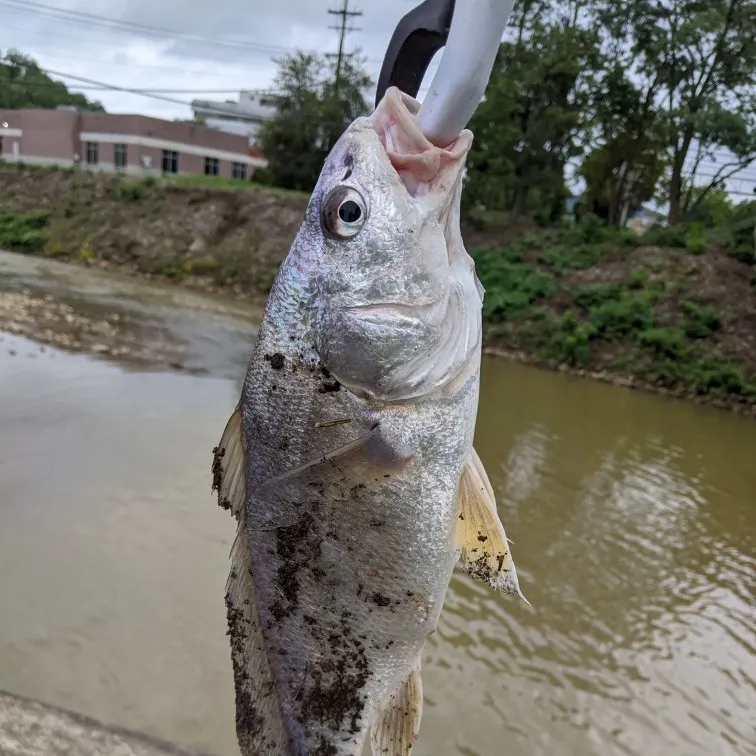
x: 695, y: 64
x: 626, y: 156
x: 527, y: 127
x: 23, y: 84
x: 312, y: 112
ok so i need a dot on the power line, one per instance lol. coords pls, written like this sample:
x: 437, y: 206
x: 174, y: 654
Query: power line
x: 96, y: 21
x: 136, y: 90
x: 342, y: 29
x: 129, y: 90
x: 92, y: 20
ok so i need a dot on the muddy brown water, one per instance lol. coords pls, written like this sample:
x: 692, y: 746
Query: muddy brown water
x: 634, y: 528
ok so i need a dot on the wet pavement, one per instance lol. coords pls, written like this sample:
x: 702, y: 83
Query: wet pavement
x: 135, y: 321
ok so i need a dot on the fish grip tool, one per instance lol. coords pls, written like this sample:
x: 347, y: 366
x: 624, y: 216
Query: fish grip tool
x: 417, y: 38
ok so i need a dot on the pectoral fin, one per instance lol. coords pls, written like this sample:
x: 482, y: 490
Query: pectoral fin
x: 484, y: 551
x: 395, y: 731
x: 259, y: 723
x: 368, y: 456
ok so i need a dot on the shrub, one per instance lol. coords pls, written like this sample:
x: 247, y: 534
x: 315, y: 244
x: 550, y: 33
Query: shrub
x: 626, y: 237
x: 700, y: 320
x: 742, y: 244
x: 579, y: 257
x: 637, y: 278
x: 665, y: 343
x: 665, y: 236
x: 131, y: 190
x: 571, y: 341
x: 510, y: 287
x: 23, y: 230
x: 592, y: 296
x: 712, y: 376
x: 512, y: 252
x: 633, y: 311
x: 695, y: 239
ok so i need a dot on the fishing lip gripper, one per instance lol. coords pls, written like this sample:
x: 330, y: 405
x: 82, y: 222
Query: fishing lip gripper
x: 416, y: 39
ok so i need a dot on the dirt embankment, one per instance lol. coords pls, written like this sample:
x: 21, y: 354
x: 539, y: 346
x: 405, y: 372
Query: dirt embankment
x: 675, y: 315
x: 214, y: 234
x: 230, y: 236
x: 624, y: 310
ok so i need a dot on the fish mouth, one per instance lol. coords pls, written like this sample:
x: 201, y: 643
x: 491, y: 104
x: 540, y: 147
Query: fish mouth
x: 422, y: 167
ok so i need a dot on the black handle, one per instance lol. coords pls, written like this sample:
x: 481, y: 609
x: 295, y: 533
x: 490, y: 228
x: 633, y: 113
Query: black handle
x: 417, y: 38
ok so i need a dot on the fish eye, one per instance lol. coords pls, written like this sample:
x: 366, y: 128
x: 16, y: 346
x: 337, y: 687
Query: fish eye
x: 343, y: 212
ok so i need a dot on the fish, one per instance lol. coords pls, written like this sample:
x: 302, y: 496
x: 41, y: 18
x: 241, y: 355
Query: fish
x: 348, y: 461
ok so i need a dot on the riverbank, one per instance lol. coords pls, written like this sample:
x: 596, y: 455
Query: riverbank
x: 52, y: 323
x: 657, y: 313
x: 673, y: 312
x: 32, y: 728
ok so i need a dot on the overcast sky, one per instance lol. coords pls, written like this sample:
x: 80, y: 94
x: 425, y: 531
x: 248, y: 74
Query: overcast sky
x: 185, y: 44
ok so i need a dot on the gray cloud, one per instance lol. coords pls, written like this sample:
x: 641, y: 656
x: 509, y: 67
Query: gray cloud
x: 238, y: 40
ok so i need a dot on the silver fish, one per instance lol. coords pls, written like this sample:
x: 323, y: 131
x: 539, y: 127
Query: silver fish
x: 349, y: 461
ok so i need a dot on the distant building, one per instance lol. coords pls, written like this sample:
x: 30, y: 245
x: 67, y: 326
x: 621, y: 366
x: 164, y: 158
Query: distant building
x: 243, y: 117
x: 642, y: 219
x: 645, y: 217
x: 570, y: 203
x: 133, y: 144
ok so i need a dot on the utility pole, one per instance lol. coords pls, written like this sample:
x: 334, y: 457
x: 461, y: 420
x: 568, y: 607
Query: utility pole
x: 342, y: 29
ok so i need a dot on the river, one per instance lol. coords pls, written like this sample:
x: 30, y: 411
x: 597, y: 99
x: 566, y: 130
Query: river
x: 633, y: 520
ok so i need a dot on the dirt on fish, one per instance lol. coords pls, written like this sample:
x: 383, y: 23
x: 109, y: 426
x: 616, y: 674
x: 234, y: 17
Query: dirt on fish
x: 277, y: 360
x: 292, y: 549
x: 336, y: 682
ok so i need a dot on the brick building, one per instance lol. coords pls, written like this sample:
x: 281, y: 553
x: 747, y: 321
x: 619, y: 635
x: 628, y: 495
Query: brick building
x: 133, y: 144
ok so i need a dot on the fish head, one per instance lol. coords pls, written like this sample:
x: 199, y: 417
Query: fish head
x: 394, y: 301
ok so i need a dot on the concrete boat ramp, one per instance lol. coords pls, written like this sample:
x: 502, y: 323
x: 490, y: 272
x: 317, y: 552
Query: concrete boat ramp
x: 31, y: 728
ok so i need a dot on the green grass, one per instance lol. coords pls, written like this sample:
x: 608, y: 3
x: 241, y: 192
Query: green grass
x: 701, y: 320
x: 665, y: 236
x: 741, y: 242
x: 696, y: 240
x: 511, y: 287
x: 637, y: 278
x: 135, y: 189
x: 23, y: 230
x: 201, y: 181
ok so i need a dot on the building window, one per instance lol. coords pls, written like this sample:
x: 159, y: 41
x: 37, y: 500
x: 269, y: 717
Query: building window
x: 239, y: 171
x: 121, y: 155
x: 92, y: 153
x: 212, y: 166
x: 170, y: 161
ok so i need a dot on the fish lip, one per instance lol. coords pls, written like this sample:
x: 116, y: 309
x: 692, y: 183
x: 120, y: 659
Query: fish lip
x: 401, y: 308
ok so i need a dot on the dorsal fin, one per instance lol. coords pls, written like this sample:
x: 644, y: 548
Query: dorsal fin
x: 259, y: 725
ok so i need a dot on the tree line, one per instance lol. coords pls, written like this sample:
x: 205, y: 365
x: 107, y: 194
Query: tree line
x: 23, y: 84
x: 631, y: 96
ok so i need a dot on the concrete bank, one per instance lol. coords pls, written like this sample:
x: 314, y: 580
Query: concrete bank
x: 31, y: 728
